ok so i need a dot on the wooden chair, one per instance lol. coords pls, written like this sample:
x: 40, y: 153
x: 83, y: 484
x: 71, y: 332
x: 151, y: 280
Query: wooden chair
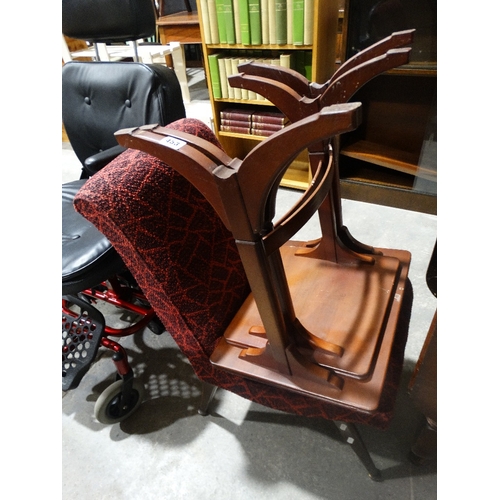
x: 323, y: 331
x: 317, y: 336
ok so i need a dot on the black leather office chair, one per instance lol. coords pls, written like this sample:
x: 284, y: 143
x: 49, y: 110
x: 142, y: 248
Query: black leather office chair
x: 99, y: 98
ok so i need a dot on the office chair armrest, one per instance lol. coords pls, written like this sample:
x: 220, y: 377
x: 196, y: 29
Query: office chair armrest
x: 95, y: 162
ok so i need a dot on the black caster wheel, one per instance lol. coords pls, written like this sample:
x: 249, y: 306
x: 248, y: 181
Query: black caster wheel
x: 107, y: 406
x: 156, y: 326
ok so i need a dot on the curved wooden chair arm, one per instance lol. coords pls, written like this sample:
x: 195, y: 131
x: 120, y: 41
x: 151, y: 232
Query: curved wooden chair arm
x: 346, y: 85
x: 297, y: 98
x: 193, y: 157
x: 393, y: 41
x: 267, y: 162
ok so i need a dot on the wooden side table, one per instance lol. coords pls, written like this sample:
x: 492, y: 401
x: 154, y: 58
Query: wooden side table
x: 182, y: 27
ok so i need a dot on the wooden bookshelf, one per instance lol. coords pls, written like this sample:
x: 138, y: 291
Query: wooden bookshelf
x: 323, y: 57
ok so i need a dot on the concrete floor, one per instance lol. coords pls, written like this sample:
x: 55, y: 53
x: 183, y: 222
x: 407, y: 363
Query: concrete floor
x: 242, y: 450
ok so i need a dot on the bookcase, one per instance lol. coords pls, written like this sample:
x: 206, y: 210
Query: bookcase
x: 318, y: 50
x: 391, y: 158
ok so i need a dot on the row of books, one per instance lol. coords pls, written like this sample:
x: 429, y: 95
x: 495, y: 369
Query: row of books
x: 258, y: 22
x: 223, y: 64
x: 246, y: 121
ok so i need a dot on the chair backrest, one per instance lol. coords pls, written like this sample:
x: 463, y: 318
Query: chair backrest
x: 100, y: 98
x: 108, y: 20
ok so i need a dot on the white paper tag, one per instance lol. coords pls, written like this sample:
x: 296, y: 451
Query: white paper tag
x: 172, y: 142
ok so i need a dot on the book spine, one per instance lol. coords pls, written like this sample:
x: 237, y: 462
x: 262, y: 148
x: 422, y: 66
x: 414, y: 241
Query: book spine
x: 269, y: 117
x: 262, y: 132
x: 237, y: 115
x: 298, y: 22
x: 244, y: 92
x: 252, y: 96
x: 221, y: 20
x: 229, y: 20
x: 289, y: 22
x: 223, y: 78
x: 213, y: 67
x: 236, y: 130
x: 272, y: 22
x: 255, y: 24
x: 266, y: 126
x: 244, y: 22
x: 237, y: 27
x: 236, y: 123
x: 234, y: 71
x: 264, y: 21
x: 229, y: 72
x: 285, y: 60
x: 308, y: 21
x: 212, y: 16
x: 205, y: 19
x: 281, y: 32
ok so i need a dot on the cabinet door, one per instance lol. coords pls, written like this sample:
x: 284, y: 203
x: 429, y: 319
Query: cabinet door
x: 392, y: 158
x: 369, y: 21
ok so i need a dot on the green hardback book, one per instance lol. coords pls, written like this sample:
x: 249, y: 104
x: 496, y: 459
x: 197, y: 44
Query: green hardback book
x: 281, y: 38
x: 229, y: 19
x: 298, y: 22
x: 221, y: 20
x: 244, y: 22
x: 254, y: 18
x: 213, y: 66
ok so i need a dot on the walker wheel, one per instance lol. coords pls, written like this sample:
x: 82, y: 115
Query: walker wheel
x: 107, y: 406
x: 156, y: 326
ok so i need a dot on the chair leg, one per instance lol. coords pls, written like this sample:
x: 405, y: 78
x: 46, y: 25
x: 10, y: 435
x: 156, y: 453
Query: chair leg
x: 207, y: 394
x: 351, y: 433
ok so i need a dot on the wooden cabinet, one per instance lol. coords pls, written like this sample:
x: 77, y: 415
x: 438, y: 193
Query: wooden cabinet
x: 322, y: 54
x: 391, y: 158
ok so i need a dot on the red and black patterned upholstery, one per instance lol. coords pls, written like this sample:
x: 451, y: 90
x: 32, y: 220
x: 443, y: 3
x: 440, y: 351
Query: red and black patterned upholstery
x: 187, y: 265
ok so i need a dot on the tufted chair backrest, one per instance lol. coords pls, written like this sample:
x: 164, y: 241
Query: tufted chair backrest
x: 100, y: 98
